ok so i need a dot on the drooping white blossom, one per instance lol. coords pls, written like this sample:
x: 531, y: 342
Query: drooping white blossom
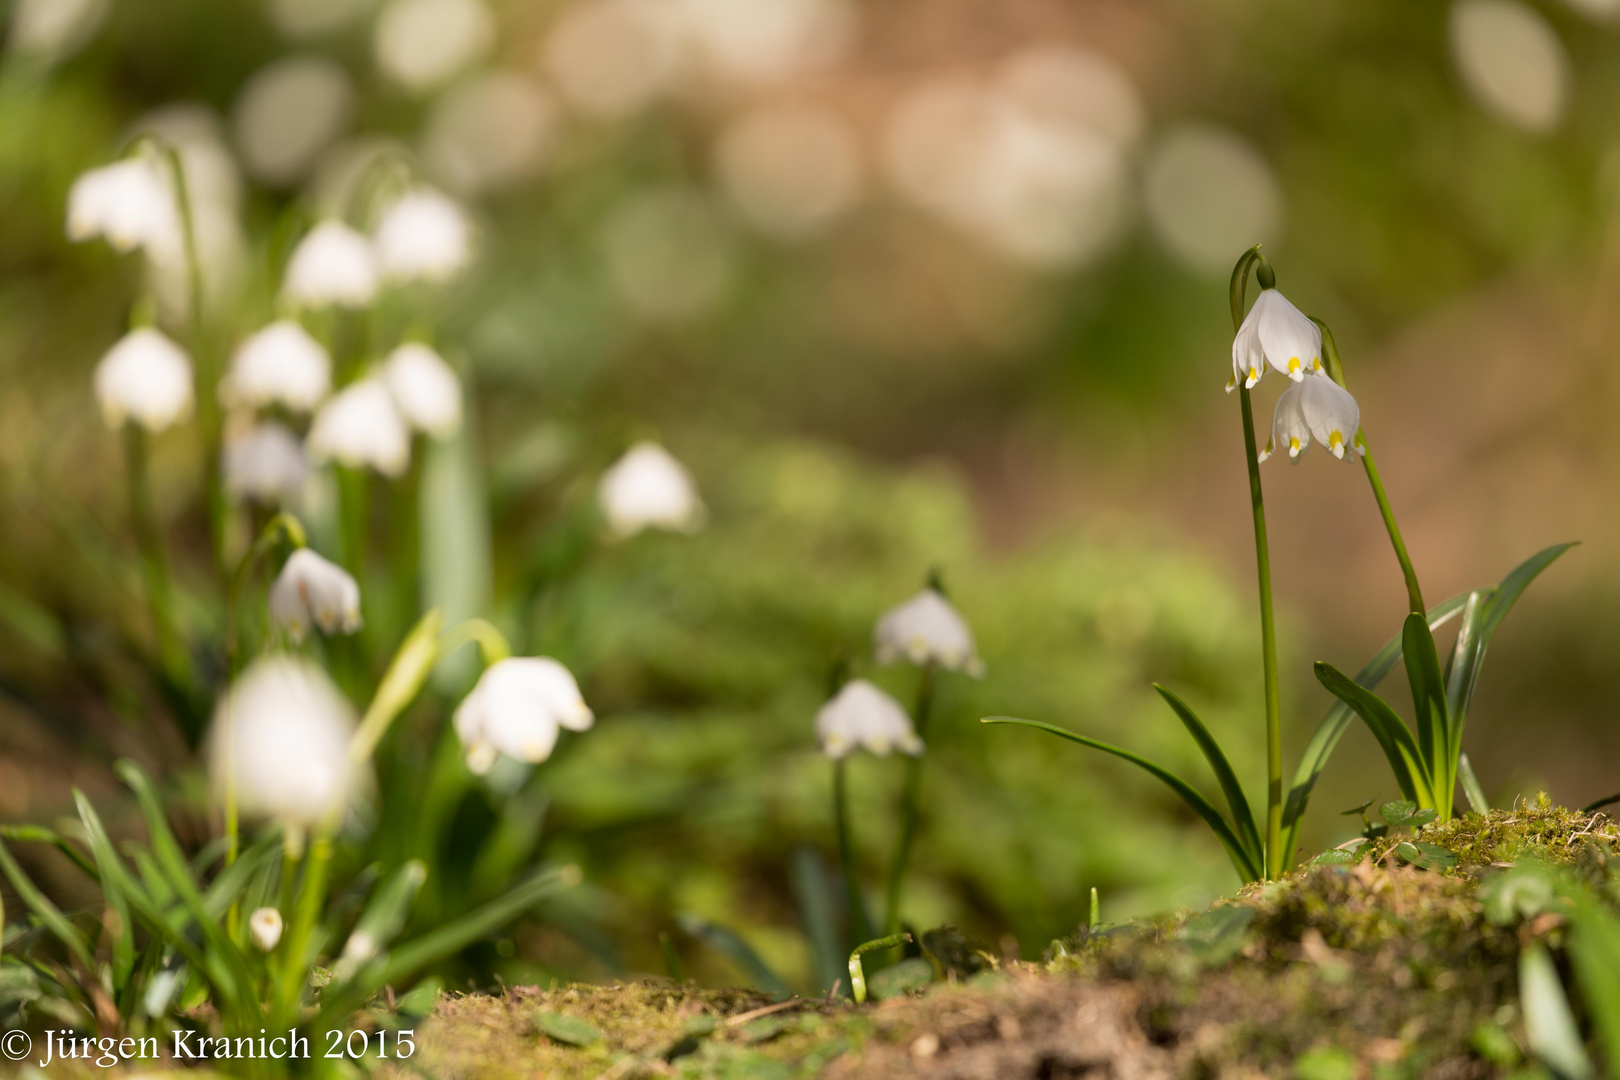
x: 425, y: 389
x: 331, y: 266
x: 862, y: 717
x: 423, y: 236
x: 1274, y: 332
x: 360, y: 427
x: 127, y: 203
x: 266, y: 465
x: 517, y: 709
x: 280, y: 365
x: 648, y: 488
x: 264, y: 927
x: 280, y: 742
x: 926, y: 630
x: 312, y: 590
x: 145, y: 378
x: 1315, y: 408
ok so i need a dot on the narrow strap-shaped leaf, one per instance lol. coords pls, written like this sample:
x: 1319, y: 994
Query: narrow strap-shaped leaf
x: 47, y: 912
x: 1429, y: 703
x: 1594, y: 950
x: 1242, y: 817
x: 1393, y: 736
x: 1462, y: 670
x: 441, y: 942
x: 1246, y: 867
x: 1517, y: 580
x: 232, y: 880
x: 1337, y: 720
x: 1471, y: 786
x: 38, y: 834
x: 113, y: 879
x: 739, y: 952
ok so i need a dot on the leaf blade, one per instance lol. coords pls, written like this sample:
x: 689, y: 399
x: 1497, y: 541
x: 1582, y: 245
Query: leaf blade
x: 1236, y: 801
x: 1405, y: 760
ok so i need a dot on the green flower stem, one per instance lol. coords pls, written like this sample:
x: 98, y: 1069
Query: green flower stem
x: 409, y: 669
x: 860, y: 926
x: 1275, y: 857
x: 295, y: 948
x: 1414, y: 594
x: 173, y: 661
x: 908, y: 804
x: 491, y: 642
x: 857, y: 973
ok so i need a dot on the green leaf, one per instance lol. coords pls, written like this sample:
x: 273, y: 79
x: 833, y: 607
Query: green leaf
x: 818, y: 909
x: 1470, y: 785
x: 454, y: 936
x: 1512, y: 586
x: 1426, y: 856
x: 1467, y: 654
x: 47, y: 912
x: 911, y: 974
x: 857, y: 973
x: 383, y: 918
x: 1406, y: 815
x: 739, y: 952
x: 1548, y: 1021
x: 1405, y: 760
x: 1429, y: 705
x: 1337, y: 719
x: 1247, y: 868
x: 1594, y: 949
x: 568, y: 1030
x: 1218, y: 934
x: 1336, y: 857
x: 1235, y: 799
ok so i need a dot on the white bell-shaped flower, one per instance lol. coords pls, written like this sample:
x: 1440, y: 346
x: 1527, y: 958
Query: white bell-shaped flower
x: 517, y: 708
x: 127, y: 203
x: 360, y: 427
x: 264, y: 927
x: 425, y: 389
x: 311, y: 589
x: 145, y: 378
x: 281, y: 735
x: 331, y: 266
x: 1315, y: 408
x: 648, y: 488
x: 1274, y: 332
x: 266, y: 465
x: 280, y: 365
x: 862, y: 717
x: 926, y: 630
x: 423, y: 236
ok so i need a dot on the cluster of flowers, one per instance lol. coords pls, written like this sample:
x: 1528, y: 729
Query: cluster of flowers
x: 1279, y: 335
x: 926, y: 631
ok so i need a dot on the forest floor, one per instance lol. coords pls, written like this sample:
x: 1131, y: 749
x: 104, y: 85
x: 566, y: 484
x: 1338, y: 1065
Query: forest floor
x: 1394, y: 964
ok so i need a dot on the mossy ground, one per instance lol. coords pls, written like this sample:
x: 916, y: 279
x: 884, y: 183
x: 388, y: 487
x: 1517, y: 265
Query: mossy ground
x: 1376, y: 970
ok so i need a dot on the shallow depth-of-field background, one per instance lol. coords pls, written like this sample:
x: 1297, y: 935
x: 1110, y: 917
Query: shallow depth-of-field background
x: 908, y: 285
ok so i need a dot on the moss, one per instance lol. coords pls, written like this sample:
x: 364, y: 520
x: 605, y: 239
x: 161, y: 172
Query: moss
x: 1380, y: 969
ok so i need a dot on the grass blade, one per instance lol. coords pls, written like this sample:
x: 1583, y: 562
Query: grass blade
x: 1607, y: 800
x: 1393, y: 736
x: 1337, y: 720
x: 1594, y: 950
x: 818, y: 914
x: 1517, y: 580
x: 1242, y: 817
x: 1246, y: 867
x: 454, y: 936
x: 113, y: 880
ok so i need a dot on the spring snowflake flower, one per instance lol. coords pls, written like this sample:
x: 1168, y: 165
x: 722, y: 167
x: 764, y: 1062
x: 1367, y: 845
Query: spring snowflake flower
x: 647, y: 488
x: 280, y: 364
x: 424, y: 236
x: 311, y: 589
x: 927, y: 630
x: 265, y: 465
x: 860, y: 716
x: 361, y: 427
x: 425, y: 389
x: 517, y: 709
x: 145, y: 378
x: 282, y: 734
x: 128, y: 203
x: 331, y: 266
x: 1275, y: 332
x: 264, y: 927
x: 1317, y: 408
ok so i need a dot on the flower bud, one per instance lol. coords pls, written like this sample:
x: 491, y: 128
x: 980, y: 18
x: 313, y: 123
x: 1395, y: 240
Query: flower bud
x: 264, y: 927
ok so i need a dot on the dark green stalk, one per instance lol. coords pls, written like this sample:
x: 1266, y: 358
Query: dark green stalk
x: 908, y: 804
x: 860, y: 926
x: 1414, y: 594
x: 1262, y: 553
